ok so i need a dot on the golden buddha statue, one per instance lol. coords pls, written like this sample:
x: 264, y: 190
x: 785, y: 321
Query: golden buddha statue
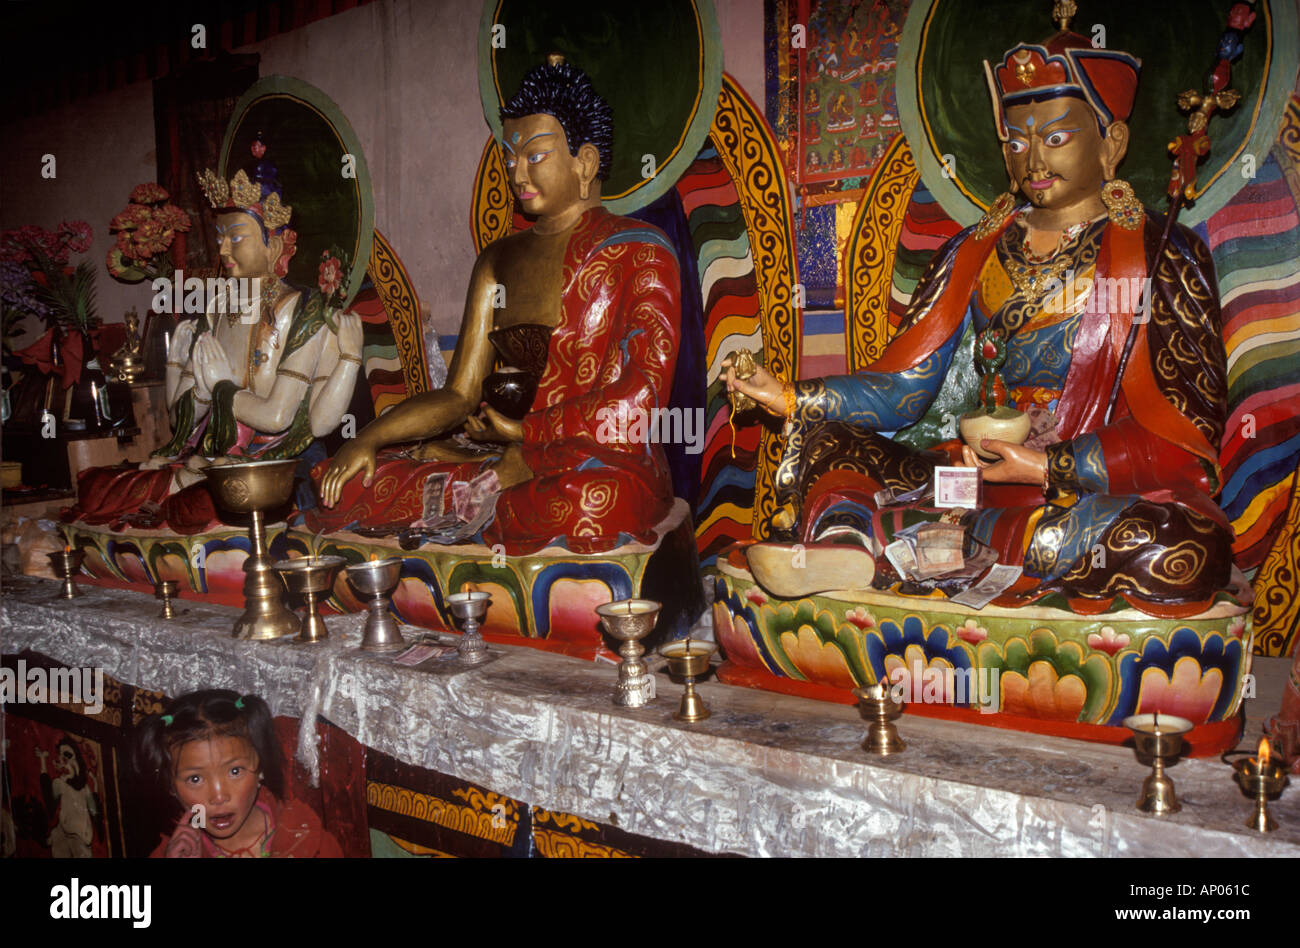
x: 605, y: 289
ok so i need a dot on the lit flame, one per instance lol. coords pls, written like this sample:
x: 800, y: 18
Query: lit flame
x: 373, y: 557
x: 464, y: 587
x: 1263, y: 751
x: 67, y: 548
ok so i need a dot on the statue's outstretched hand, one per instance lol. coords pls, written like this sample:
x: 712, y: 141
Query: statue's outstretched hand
x: 1018, y: 464
x: 763, y: 387
x: 490, y: 425
x: 355, y: 457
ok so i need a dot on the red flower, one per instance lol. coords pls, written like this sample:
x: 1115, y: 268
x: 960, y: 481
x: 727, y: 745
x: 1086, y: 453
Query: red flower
x: 331, y: 275
x: 1241, y: 16
x: 174, y: 217
x: 77, y: 235
x: 149, y: 193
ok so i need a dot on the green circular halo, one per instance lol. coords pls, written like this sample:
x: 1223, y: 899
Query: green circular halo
x: 307, y: 138
x: 658, y: 65
x: 944, y: 107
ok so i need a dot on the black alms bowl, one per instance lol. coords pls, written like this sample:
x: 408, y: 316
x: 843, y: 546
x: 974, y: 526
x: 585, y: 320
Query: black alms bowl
x: 510, y: 391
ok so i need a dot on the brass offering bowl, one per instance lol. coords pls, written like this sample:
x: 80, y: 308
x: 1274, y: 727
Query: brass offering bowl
x: 255, y: 487
x: 375, y: 580
x: 629, y: 621
x: 309, y: 576
x: 166, y: 590
x: 67, y: 564
x: 689, y: 659
x: 470, y: 608
x: 1261, y: 777
x: 881, y: 710
x: 1160, y: 737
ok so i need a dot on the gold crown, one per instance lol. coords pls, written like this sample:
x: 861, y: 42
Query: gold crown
x: 241, y: 192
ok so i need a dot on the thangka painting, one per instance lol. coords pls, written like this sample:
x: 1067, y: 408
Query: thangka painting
x: 57, y: 802
x: 837, y: 108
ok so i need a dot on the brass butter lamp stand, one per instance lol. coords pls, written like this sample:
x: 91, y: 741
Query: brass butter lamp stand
x: 1261, y: 777
x: 309, y: 576
x: 1160, y: 737
x: 881, y: 711
x: 254, y: 487
x: 689, y: 660
x: 67, y: 564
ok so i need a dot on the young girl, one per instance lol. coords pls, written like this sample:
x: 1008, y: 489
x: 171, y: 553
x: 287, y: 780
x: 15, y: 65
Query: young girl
x: 215, y: 753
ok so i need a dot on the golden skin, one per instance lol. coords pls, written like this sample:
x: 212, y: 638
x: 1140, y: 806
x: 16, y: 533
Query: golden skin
x: 557, y: 188
x: 1057, y: 157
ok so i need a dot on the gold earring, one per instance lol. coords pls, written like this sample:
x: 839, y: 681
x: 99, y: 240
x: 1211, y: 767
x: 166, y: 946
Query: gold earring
x: 585, y: 190
x: 1122, y: 205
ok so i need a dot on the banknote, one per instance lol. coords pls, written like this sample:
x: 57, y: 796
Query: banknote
x: 902, y: 557
x: 957, y: 487
x: 998, y: 580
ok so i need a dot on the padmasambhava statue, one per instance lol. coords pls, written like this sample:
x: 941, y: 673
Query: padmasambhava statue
x: 1095, y: 503
x: 242, y: 384
x: 608, y: 287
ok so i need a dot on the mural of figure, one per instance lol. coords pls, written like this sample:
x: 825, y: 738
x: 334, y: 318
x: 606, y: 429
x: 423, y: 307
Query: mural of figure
x: 73, y: 796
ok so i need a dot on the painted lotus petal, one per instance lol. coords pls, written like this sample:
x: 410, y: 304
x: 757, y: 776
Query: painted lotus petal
x: 817, y: 660
x: 1043, y: 694
x: 1188, y: 693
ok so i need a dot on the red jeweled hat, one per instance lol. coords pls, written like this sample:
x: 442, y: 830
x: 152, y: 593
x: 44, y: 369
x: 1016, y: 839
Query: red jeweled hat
x: 1066, y: 64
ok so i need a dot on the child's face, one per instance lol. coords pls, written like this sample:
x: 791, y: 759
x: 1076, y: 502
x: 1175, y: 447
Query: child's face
x: 220, y: 774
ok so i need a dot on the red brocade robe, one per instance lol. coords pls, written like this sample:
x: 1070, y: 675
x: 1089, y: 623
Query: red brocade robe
x: 1159, y: 447
x: 612, y: 355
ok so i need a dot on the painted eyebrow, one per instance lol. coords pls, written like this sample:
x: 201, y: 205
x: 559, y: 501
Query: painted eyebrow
x: 1063, y: 115
x: 538, y: 135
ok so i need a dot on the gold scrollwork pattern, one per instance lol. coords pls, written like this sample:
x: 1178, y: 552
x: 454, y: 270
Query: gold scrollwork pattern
x: 1277, y: 608
x: 493, y: 205
x: 869, y: 259
x: 403, y: 308
x: 145, y: 703
x: 1288, y: 138
x: 495, y: 825
x: 750, y: 155
x: 553, y: 844
x: 567, y: 821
